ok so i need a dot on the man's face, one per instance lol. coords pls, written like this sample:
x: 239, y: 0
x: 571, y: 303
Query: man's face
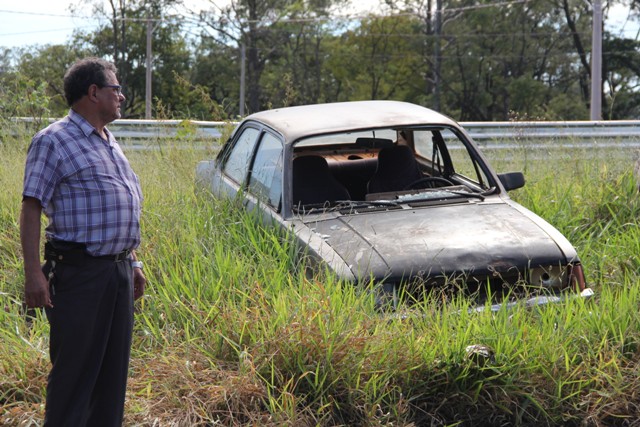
x: 110, y: 97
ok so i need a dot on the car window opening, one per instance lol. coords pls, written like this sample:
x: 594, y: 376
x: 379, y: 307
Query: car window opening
x: 401, y: 165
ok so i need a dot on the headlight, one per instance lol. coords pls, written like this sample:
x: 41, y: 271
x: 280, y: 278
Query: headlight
x: 558, y: 277
x: 551, y: 277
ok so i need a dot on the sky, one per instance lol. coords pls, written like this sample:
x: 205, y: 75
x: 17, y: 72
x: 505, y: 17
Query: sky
x: 39, y: 22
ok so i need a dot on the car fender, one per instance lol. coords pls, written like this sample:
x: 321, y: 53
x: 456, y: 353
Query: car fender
x: 561, y: 241
x: 318, y: 250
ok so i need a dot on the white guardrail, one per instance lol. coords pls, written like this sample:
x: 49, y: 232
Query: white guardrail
x: 615, y: 133
x: 487, y: 134
x: 606, y: 134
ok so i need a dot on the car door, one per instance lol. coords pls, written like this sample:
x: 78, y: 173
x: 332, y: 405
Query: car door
x: 266, y: 176
x: 253, y: 164
x: 235, y: 162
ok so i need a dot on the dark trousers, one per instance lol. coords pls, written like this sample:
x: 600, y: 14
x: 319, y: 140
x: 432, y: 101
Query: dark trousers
x: 90, y: 341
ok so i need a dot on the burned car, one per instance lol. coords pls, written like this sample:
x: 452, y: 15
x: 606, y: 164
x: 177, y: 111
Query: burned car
x: 396, y: 195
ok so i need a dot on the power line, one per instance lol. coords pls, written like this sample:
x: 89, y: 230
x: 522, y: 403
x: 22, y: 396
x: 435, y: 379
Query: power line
x: 24, y: 33
x: 83, y: 17
x: 51, y: 15
x: 318, y: 19
x: 288, y: 20
x: 173, y: 17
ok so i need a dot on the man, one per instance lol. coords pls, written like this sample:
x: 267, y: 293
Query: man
x: 77, y: 174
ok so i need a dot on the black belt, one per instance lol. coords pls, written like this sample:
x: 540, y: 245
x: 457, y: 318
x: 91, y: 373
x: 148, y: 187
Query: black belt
x: 117, y: 257
x: 76, y: 254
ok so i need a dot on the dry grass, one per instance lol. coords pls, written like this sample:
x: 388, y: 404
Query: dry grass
x: 230, y: 333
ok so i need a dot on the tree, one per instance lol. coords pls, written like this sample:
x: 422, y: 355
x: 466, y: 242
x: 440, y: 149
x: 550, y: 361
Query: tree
x: 216, y: 69
x: 578, y: 19
x: 171, y: 55
x: 252, y: 24
x: 476, y: 60
x: 21, y: 96
x: 47, y: 65
x: 621, y: 70
x: 380, y: 59
x: 501, y: 57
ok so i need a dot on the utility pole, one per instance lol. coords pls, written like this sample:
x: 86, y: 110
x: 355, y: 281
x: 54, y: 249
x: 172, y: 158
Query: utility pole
x: 437, y: 60
x: 148, y: 75
x: 596, y: 62
x: 243, y: 55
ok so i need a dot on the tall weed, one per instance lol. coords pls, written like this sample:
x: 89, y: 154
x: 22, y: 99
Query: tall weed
x: 233, y: 331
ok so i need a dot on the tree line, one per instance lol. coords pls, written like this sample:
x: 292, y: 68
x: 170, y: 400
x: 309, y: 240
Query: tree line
x: 471, y: 59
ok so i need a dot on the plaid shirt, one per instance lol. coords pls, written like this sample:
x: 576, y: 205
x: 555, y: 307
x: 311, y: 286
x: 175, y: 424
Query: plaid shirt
x: 86, y: 186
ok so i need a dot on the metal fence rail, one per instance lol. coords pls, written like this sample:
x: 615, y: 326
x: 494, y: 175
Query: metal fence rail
x: 599, y: 133
x: 494, y: 134
x: 150, y: 129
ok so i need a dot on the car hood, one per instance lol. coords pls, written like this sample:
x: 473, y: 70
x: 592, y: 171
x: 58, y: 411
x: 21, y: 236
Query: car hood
x: 477, y: 238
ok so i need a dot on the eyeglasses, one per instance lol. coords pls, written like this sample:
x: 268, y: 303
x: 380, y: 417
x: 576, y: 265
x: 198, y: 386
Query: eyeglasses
x: 116, y: 88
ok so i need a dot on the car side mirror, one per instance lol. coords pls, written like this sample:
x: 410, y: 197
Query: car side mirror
x: 512, y: 180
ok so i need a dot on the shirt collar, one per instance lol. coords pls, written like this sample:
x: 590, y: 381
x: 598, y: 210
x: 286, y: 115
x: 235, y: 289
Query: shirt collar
x: 86, y: 127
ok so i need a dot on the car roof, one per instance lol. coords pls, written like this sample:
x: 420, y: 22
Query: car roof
x: 305, y: 120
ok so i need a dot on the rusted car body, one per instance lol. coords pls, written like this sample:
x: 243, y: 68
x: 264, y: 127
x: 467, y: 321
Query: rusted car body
x: 397, y: 195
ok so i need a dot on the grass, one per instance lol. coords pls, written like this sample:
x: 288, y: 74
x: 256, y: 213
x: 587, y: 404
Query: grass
x: 231, y: 332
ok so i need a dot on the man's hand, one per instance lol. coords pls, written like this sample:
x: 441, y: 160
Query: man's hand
x: 139, y: 282
x: 36, y: 290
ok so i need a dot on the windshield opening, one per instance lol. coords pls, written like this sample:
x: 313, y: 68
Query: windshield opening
x: 402, y: 165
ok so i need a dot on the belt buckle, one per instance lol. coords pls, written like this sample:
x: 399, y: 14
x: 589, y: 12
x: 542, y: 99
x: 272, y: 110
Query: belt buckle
x: 121, y: 256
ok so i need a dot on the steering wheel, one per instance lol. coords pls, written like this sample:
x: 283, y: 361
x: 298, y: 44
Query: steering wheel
x: 428, y: 182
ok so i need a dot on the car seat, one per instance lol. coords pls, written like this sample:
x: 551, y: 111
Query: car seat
x: 313, y: 182
x: 397, y: 168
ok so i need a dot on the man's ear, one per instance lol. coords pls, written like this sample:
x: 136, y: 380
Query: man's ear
x: 92, y: 93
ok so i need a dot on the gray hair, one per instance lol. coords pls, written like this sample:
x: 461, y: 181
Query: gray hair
x: 84, y: 73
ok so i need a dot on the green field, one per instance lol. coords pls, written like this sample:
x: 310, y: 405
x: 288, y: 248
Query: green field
x: 231, y: 333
